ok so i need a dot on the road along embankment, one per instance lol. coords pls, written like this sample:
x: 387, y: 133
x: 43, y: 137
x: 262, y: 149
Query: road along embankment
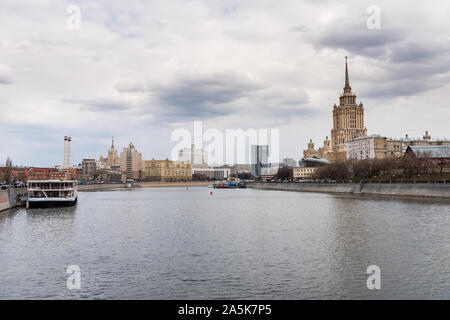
x: 110, y: 186
x: 386, y: 189
x: 100, y: 186
x: 173, y: 184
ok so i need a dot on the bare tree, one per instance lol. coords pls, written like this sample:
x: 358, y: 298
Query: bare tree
x: 284, y: 173
x: 8, y: 170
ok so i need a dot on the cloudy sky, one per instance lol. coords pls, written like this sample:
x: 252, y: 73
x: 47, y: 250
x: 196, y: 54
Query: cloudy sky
x: 138, y: 70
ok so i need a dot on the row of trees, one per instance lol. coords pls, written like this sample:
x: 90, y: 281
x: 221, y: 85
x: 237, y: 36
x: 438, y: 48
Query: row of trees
x: 378, y: 170
x: 6, y: 172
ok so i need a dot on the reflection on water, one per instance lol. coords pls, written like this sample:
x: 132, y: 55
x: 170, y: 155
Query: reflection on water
x: 173, y: 243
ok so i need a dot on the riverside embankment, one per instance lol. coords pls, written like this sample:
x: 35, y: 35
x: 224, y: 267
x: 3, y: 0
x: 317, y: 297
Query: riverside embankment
x: 110, y: 186
x: 12, y: 197
x: 386, y: 189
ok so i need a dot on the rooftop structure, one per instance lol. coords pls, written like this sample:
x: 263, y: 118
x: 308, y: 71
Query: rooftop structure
x: 432, y: 152
x: 314, y: 162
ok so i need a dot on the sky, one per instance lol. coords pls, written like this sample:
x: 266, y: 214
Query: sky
x: 138, y: 70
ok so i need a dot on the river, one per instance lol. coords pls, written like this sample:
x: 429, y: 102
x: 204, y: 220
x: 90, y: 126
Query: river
x: 178, y: 243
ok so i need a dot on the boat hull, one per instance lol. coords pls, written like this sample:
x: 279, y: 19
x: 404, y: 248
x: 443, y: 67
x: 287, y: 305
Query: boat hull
x: 48, y: 203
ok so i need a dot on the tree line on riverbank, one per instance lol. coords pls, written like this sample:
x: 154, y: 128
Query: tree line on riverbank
x: 405, y: 169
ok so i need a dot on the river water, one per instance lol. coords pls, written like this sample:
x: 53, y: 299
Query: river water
x: 178, y: 243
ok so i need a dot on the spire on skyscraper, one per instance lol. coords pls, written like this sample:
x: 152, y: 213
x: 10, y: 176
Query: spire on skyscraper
x: 347, y: 79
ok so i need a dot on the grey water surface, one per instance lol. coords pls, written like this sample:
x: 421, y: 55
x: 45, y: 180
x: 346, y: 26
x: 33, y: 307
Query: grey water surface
x: 178, y: 243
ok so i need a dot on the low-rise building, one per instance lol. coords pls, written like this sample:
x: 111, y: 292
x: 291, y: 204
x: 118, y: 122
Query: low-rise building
x: 240, y: 169
x: 395, y: 148
x: 167, y: 170
x: 426, y: 140
x: 437, y: 154
x: 367, y: 147
x: 108, y: 176
x: 212, y: 173
x: 303, y: 172
x: 308, y: 167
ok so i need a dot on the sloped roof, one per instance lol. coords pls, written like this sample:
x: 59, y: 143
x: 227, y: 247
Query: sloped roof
x: 431, y: 151
x: 317, y: 160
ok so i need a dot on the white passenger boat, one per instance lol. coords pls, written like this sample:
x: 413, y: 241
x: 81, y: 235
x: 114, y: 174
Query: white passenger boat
x: 45, y: 193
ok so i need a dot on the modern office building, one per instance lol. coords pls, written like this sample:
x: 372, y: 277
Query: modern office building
x: 260, y: 160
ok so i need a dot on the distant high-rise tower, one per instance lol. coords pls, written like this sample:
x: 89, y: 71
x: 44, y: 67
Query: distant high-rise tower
x: 260, y: 160
x: 131, y: 164
x: 197, y: 157
x: 113, y: 158
x: 348, y: 123
x: 348, y: 120
x: 67, y: 159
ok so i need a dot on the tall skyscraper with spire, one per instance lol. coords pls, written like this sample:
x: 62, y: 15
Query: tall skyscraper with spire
x: 113, y: 158
x: 348, y: 123
x: 348, y: 120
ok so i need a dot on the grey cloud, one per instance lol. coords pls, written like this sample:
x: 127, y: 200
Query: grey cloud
x: 284, y: 103
x: 412, y: 69
x: 417, y: 51
x: 407, y: 64
x: 223, y: 94
x: 411, y: 52
x: 204, y: 96
x: 284, y: 97
x: 357, y: 39
x: 99, y: 104
x: 392, y: 89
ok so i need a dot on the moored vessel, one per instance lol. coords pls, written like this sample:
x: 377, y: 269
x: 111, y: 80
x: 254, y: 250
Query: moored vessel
x: 52, y: 193
x: 229, y: 184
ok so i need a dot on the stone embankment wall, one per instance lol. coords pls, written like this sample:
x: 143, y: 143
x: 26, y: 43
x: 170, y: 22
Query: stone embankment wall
x: 12, y: 197
x: 388, y: 189
x: 100, y: 186
x: 4, y: 200
x: 174, y: 184
x: 109, y: 186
